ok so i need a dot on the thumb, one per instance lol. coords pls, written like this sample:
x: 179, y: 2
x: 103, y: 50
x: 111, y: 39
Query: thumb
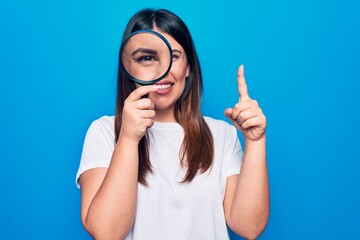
x: 228, y: 113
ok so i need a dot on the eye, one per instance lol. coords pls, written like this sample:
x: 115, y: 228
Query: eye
x: 176, y: 57
x: 146, y: 58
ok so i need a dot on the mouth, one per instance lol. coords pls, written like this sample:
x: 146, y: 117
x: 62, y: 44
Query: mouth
x: 163, y: 87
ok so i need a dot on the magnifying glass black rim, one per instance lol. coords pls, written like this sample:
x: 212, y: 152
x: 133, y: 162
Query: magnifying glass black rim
x: 143, y: 82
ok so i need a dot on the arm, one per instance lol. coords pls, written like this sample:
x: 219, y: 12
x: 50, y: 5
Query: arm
x: 109, y: 196
x: 246, y: 202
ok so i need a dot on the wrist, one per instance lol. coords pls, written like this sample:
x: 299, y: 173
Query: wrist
x: 125, y: 139
x: 260, y: 141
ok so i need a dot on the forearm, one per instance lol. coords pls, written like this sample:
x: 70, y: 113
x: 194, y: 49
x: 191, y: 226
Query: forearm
x: 250, y: 209
x: 112, y: 210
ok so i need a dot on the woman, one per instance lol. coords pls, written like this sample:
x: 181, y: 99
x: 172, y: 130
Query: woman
x: 160, y: 170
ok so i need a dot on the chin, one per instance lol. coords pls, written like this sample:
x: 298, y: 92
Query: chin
x: 164, y: 104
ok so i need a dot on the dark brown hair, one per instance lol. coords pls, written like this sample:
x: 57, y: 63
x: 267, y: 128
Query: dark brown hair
x: 196, y: 154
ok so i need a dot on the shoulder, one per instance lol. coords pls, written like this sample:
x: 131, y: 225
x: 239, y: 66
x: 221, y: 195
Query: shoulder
x: 105, y: 122
x: 103, y: 126
x: 218, y: 124
x: 220, y: 128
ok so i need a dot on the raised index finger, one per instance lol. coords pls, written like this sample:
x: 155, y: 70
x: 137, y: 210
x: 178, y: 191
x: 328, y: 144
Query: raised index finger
x: 242, y: 87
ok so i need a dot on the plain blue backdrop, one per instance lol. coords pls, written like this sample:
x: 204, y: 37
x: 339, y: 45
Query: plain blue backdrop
x: 58, y: 64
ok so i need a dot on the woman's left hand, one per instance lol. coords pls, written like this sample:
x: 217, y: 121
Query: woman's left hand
x: 246, y: 115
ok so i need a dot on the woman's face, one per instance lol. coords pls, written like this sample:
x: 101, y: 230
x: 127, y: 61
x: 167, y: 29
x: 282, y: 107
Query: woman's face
x: 172, y: 86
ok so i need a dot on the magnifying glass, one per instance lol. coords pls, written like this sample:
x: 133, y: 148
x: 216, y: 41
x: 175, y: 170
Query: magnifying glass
x: 146, y: 57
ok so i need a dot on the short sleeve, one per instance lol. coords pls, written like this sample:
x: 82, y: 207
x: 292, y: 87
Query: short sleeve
x: 97, y: 149
x: 235, y: 153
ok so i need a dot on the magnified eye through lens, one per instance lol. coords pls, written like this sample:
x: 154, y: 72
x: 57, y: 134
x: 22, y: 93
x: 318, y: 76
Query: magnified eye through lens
x: 146, y: 57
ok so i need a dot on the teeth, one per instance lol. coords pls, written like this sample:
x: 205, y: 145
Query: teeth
x: 163, y: 86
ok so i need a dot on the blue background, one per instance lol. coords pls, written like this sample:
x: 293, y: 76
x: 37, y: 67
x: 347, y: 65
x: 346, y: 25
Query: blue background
x: 58, y: 73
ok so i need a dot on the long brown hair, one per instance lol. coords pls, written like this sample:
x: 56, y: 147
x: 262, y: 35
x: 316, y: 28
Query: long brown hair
x: 197, y: 150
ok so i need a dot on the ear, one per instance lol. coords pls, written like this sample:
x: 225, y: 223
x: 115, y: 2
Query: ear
x: 188, y: 70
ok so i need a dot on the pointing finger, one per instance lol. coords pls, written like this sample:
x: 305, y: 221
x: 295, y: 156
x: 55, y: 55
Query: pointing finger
x: 242, y: 87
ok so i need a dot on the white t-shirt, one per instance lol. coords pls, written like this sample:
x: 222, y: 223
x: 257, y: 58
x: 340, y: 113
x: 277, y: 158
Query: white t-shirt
x: 168, y: 209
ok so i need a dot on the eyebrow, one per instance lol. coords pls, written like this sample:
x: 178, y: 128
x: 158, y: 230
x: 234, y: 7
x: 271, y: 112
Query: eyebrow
x: 176, y: 50
x: 144, y: 50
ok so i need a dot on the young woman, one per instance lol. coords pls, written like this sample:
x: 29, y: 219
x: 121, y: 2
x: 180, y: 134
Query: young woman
x: 158, y: 169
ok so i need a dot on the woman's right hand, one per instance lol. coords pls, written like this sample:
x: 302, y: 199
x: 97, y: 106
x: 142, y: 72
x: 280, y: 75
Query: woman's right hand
x: 138, y: 114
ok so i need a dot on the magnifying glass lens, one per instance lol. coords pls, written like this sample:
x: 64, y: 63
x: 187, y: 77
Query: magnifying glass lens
x: 146, y: 57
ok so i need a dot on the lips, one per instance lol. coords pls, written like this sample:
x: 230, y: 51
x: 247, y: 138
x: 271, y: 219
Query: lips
x: 163, y: 87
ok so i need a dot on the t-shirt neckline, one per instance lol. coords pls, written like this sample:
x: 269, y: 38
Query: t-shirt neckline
x: 166, y: 125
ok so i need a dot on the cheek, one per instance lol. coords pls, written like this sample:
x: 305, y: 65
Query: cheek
x: 181, y: 71
x: 181, y: 79
x: 179, y: 75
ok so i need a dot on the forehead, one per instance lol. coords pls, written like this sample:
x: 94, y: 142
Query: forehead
x: 144, y: 40
x: 174, y: 44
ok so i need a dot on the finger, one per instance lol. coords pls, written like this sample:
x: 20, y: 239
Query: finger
x: 141, y: 91
x: 242, y: 87
x: 252, y: 122
x: 239, y: 107
x: 149, y: 123
x: 228, y: 113
x: 146, y: 114
x: 144, y: 104
x: 248, y: 113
